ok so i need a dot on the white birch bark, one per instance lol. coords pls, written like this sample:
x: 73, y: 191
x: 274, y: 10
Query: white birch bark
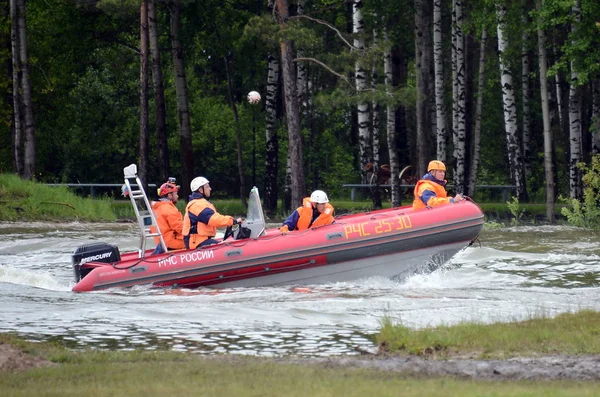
x: 459, y: 133
x: 509, y: 106
x: 271, y: 138
x: 360, y: 75
x: 302, y: 72
x: 438, y: 62
x: 375, y: 109
x: 391, y: 124
x: 575, y: 117
x: 476, y: 158
x: 548, y: 160
x: 525, y: 95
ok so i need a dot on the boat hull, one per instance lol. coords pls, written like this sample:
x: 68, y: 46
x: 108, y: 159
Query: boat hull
x: 392, y: 243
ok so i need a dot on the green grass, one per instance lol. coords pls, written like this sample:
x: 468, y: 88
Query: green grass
x: 26, y: 200
x: 569, y: 333
x: 93, y: 373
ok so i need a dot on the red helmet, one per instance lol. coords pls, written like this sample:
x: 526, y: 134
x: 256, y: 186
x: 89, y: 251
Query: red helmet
x: 167, y: 188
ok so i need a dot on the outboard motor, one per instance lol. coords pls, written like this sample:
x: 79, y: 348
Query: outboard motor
x: 97, y: 252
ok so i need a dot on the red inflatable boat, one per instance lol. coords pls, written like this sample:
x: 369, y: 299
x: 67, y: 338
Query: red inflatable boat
x: 391, y: 243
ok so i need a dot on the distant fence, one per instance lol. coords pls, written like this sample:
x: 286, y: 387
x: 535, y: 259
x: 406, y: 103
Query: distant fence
x: 505, y: 190
x: 96, y: 188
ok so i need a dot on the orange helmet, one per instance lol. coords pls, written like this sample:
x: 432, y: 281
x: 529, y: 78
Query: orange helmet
x: 167, y: 188
x: 436, y: 165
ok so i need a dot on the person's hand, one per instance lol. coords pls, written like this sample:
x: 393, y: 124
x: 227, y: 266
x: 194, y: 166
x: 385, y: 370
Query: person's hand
x: 237, y: 221
x: 458, y: 198
x: 284, y: 229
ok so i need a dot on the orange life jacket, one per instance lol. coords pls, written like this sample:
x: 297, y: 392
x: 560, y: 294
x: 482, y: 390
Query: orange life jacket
x: 203, y: 230
x: 170, y: 223
x: 306, y: 213
x: 439, y: 198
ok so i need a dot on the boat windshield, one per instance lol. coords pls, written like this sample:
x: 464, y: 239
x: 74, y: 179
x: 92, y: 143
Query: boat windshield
x: 255, y: 219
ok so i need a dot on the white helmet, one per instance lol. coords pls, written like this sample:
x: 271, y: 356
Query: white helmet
x: 319, y: 197
x: 198, y: 182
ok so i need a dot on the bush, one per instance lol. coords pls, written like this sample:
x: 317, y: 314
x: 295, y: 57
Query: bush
x: 586, y: 213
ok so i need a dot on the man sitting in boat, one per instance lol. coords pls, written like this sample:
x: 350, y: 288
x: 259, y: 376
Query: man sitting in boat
x: 315, y: 211
x: 201, y: 219
x: 168, y: 217
x: 430, y: 191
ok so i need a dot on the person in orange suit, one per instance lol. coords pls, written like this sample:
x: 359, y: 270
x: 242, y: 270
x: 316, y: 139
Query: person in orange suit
x: 315, y: 211
x: 168, y: 217
x: 430, y: 191
x: 201, y: 218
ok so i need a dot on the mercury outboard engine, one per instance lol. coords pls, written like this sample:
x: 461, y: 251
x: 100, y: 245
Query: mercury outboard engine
x: 98, y: 252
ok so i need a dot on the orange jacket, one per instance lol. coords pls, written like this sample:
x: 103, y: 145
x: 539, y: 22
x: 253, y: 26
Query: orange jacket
x: 201, y: 220
x: 301, y: 217
x: 170, y: 223
x: 429, y: 193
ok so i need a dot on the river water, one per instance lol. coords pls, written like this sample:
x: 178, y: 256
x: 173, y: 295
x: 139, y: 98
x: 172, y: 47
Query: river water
x: 512, y: 274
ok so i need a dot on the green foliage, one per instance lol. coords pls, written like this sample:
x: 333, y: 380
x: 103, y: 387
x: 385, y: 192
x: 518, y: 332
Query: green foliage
x: 516, y: 211
x: 586, y: 213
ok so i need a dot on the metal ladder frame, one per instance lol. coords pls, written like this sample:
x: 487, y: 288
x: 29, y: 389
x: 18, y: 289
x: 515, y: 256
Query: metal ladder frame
x: 143, y: 213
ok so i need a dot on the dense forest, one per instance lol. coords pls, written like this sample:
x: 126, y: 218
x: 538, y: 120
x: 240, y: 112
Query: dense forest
x: 504, y: 91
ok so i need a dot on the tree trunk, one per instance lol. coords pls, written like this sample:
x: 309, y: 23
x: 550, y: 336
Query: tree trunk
x: 422, y: 68
x: 183, y: 111
x: 272, y: 139
x: 595, y: 127
x: 525, y: 93
x: 459, y: 134
x: 376, y: 193
x: 143, y: 162
x: 575, y: 190
x: 238, y: 134
x: 29, y: 127
x: 362, y: 108
x: 159, y: 95
x: 438, y: 60
x: 17, y: 136
x: 475, y: 160
x: 292, y: 112
x: 391, y: 124
x: 509, y: 106
x: 548, y: 161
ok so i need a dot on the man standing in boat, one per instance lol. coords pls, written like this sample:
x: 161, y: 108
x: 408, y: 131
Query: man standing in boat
x: 168, y: 217
x: 430, y: 191
x: 201, y: 219
x: 315, y: 211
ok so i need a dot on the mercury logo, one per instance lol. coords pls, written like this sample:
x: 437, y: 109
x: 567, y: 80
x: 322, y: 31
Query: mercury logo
x: 96, y: 257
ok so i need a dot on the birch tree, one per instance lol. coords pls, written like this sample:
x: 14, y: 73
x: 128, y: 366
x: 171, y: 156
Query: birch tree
x: 391, y: 122
x: 271, y: 137
x: 459, y: 134
x: 575, y: 190
x: 525, y: 92
x: 509, y: 107
x: 362, y: 108
x: 438, y: 62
